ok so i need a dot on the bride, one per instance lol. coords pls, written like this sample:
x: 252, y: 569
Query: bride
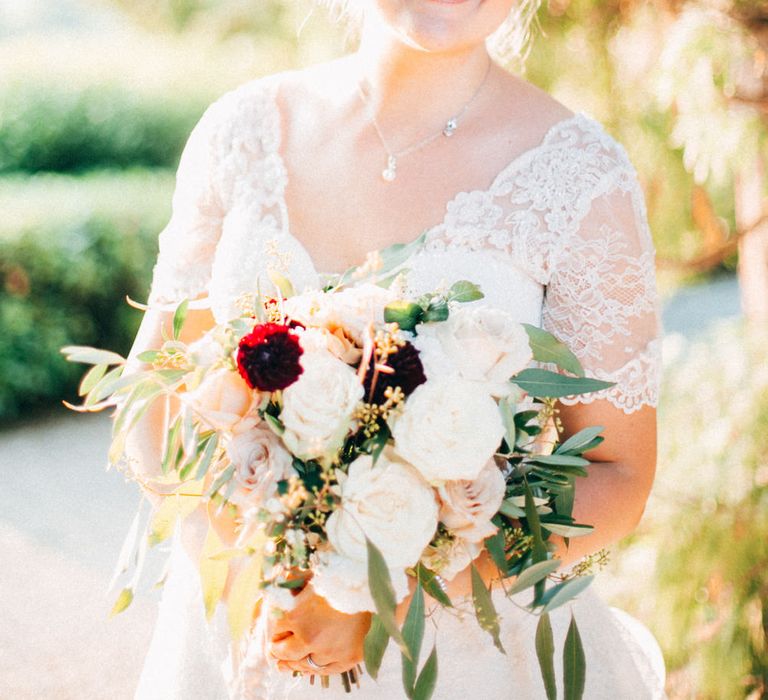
x: 305, y: 172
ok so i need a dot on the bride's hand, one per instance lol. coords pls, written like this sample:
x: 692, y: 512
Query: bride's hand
x: 334, y: 639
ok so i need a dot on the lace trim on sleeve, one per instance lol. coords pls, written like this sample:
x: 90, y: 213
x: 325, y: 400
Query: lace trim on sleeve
x: 570, y: 213
x: 636, y: 383
x: 229, y: 157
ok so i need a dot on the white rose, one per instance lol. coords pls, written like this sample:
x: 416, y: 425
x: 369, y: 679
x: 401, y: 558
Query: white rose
x: 354, y: 308
x: 450, y: 557
x: 222, y: 399
x: 206, y: 351
x: 448, y: 430
x: 336, y: 342
x: 482, y: 344
x: 466, y: 507
x: 260, y: 461
x: 317, y: 408
x: 312, y: 308
x: 390, y: 504
x: 343, y: 582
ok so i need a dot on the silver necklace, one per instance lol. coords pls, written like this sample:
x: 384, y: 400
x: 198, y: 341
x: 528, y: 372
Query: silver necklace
x: 390, y: 171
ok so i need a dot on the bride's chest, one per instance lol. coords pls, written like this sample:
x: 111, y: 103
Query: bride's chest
x: 256, y: 243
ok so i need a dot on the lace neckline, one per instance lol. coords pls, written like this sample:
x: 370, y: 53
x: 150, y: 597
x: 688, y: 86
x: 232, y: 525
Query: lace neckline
x: 518, y: 161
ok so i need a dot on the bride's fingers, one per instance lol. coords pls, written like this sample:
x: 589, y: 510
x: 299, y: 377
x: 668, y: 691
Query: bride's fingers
x: 288, y: 649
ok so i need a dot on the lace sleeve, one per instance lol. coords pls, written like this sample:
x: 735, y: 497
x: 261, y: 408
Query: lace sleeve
x: 601, y: 297
x: 188, y: 242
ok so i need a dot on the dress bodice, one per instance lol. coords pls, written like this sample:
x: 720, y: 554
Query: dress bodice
x: 560, y: 238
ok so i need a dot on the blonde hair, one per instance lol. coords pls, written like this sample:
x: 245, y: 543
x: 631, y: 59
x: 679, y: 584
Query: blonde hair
x: 510, y: 43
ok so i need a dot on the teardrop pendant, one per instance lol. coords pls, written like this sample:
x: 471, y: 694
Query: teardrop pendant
x: 390, y: 172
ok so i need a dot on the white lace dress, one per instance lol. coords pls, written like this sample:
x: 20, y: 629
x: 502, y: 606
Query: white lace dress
x: 560, y: 239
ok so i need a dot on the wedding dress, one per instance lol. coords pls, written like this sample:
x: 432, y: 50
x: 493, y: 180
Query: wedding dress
x: 560, y: 239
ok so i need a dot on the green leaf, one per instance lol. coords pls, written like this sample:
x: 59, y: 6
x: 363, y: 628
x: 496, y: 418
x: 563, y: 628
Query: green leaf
x: 564, y: 499
x: 213, y: 572
x: 103, y: 387
x: 436, y: 312
x: 558, y: 460
x: 564, y: 592
x: 148, y: 356
x: 573, y: 530
x: 206, y: 456
x: 221, y: 480
x: 574, y: 664
x: 275, y: 424
x: 383, y: 594
x: 546, y: 384
x: 464, y: 291
x: 91, y: 378
x: 413, y: 634
x: 123, y: 601
x: 282, y: 283
x: 91, y: 356
x: 547, y: 348
x: 495, y: 546
x: 425, y: 685
x: 508, y: 419
x: 374, y: 646
x: 511, y: 510
x: 577, y: 442
x: 428, y: 579
x: 405, y: 314
x: 173, y: 440
x: 533, y: 574
x: 545, y: 651
x: 485, y: 611
x: 379, y: 441
x: 539, y: 547
x: 179, y: 316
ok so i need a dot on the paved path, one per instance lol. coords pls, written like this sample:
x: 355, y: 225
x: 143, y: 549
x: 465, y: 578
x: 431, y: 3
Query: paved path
x: 62, y: 520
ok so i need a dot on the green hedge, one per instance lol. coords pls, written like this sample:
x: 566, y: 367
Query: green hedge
x: 64, y: 274
x: 57, y: 128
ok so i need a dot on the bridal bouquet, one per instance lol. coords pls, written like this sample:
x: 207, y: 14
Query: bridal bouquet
x: 375, y: 443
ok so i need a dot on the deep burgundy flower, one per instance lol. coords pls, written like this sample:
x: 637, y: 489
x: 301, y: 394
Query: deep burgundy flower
x: 408, y: 373
x: 268, y: 357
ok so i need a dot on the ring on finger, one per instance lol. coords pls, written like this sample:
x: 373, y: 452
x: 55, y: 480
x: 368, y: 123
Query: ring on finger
x: 312, y: 663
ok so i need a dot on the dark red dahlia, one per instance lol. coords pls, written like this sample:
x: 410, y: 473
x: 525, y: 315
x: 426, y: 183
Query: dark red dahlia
x: 268, y: 357
x: 407, y: 373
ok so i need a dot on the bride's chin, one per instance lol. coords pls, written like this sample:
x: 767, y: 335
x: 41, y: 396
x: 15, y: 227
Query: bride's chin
x: 448, y: 25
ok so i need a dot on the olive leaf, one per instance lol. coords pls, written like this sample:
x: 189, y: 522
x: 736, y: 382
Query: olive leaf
x: 545, y: 652
x: 383, y: 594
x: 574, y: 664
x: 547, y: 348
x: 374, y: 646
x: 485, y: 611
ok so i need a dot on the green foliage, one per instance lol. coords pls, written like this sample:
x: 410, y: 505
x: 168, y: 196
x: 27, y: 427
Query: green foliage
x: 49, y: 127
x: 707, y: 522
x: 63, y: 281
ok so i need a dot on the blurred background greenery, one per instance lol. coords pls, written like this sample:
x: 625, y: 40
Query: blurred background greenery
x: 97, y: 98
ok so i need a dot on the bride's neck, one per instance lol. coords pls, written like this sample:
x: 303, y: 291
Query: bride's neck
x: 407, y: 84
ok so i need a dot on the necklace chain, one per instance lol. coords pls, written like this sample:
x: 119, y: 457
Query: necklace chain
x: 390, y: 172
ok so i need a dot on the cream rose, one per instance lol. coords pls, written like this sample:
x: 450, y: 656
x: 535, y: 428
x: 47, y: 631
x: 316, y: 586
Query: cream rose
x: 343, y: 582
x: 448, y: 430
x: 450, y: 557
x: 260, y: 461
x: 466, y: 507
x: 222, y: 399
x: 390, y: 504
x: 481, y: 343
x: 356, y: 307
x: 207, y: 351
x: 317, y: 408
x: 336, y: 342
